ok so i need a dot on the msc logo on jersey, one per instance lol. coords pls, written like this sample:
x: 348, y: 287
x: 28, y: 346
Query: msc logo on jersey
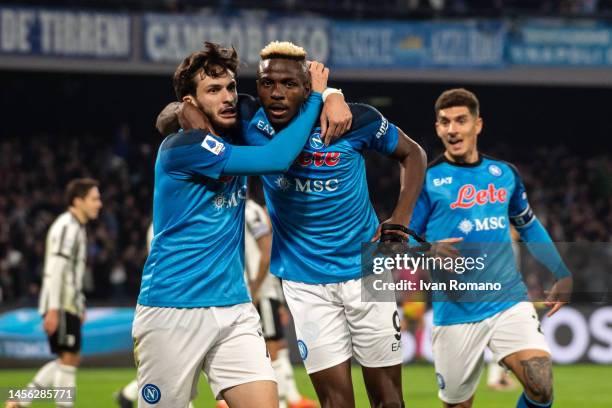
x: 319, y: 159
x: 316, y: 142
x: 213, y: 145
x: 442, y: 180
x: 151, y: 393
x: 229, y: 200
x: 495, y: 170
x: 468, y: 196
x: 306, y: 185
x: 303, y: 349
x: 485, y: 224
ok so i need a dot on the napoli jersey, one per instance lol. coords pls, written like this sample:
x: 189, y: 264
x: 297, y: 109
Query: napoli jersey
x: 196, y: 257
x: 320, y: 209
x: 476, y: 202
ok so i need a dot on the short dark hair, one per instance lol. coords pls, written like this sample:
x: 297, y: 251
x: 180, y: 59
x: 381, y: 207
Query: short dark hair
x: 79, y: 188
x: 213, y: 59
x: 458, y: 97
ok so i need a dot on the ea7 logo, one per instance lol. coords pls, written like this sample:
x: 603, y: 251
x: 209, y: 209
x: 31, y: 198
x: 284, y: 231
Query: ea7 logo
x: 443, y: 180
x: 490, y: 223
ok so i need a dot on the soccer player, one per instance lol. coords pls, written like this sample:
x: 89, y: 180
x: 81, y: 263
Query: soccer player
x: 194, y: 311
x: 475, y: 198
x: 62, y: 302
x: 321, y: 214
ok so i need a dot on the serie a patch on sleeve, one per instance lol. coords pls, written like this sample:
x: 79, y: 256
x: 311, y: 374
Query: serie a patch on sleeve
x: 213, y: 145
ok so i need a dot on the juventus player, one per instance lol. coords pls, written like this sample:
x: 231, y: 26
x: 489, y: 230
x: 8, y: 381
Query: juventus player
x: 62, y: 302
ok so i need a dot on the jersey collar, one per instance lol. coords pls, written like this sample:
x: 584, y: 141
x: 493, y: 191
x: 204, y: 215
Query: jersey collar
x: 475, y: 164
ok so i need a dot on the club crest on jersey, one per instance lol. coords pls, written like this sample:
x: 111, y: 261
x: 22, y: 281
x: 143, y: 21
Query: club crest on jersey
x: 495, y: 170
x: 213, y: 145
x: 151, y: 393
x: 316, y: 142
x: 468, y: 196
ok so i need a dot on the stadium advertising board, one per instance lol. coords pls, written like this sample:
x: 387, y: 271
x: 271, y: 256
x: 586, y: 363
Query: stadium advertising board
x: 467, y: 44
x: 169, y: 38
x: 559, y: 43
x: 65, y: 33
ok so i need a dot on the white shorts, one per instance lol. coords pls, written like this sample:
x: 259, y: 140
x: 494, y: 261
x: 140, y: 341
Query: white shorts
x: 458, y: 349
x: 172, y: 346
x: 332, y: 324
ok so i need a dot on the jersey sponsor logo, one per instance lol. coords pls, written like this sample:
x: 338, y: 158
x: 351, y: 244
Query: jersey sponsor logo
x: 306, y: 185
x: 468, y: 196
x: 265, y: 127
x: 213, y: 145
x: 382, y: 130
x: 442, y: 181
x: 151, y: 393
x: 482, y: 224
x: 319, y: 159
x: 495, y: 170
x: 316, y: 142
x: 303, y: 349
x: 229, y: 200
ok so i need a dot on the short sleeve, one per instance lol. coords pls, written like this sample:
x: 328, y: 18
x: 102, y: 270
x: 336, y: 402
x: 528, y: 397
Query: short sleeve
x: 371, y: 130
x: 256, y: 220
x: 185, y: 155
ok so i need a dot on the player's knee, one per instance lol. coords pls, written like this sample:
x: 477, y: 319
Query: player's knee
x: 538, y: 379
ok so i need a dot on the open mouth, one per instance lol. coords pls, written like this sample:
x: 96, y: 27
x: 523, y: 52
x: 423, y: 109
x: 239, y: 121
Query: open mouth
x: 227, y: 113
x: 456, y: 143
x: 277, y: 109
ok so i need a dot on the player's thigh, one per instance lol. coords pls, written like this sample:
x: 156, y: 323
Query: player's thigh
x: 169, y: 349
x: 334, y: 386
x: 519, y: 343
x: 374, y: 328
x: 517, y: 329
x: 458, y: 352
x: 324, y: 339
x: 252, y: 394
x: 384, y: 385
x: 239, y: 355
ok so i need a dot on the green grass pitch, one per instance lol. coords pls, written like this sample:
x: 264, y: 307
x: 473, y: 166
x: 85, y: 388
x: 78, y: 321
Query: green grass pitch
x: 575, y: 386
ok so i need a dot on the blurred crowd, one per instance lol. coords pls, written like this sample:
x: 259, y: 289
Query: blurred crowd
x: 359, y: 8
x: 571, y: 195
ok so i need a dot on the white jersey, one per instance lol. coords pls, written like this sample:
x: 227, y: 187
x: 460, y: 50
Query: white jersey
x: 65, y: 257
x: 256, y: 226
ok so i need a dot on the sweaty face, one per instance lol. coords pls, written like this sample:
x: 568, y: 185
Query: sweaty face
x: 217, y: 97
x: 91, y: 204
x: 282, y: 86
x: 458, y: 129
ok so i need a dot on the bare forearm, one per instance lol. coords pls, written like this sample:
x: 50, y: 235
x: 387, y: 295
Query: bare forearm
x: 167, y: 121
x: 413, y: 165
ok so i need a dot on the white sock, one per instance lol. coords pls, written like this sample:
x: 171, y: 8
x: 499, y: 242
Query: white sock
x: 495, y: 373
x: 286, y: 370
x: 130, y: 391
x: 281, y: 382
x: 43, y: 379
x: 190, y: 405
x: 65, y: 376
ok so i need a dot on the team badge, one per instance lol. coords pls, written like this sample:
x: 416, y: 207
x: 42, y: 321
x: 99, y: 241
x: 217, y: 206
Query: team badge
x: 303, y: 349
x: 316, y: 142
x: 495, y: 170
x: 151, y: 393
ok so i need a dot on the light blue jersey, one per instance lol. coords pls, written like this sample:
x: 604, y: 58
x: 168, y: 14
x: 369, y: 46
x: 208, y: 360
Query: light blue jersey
x: 476, y: 202
x: 320, y: 209
x: 196, y: 257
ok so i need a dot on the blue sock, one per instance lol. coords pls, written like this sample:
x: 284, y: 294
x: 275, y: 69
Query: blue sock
x: 525, y: 402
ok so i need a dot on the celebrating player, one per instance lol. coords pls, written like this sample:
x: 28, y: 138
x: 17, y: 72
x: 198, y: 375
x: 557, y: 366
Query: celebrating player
x: 474, y: 197
x: 194, y: 311
x: 321, y: 214
x: 62, y: 302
